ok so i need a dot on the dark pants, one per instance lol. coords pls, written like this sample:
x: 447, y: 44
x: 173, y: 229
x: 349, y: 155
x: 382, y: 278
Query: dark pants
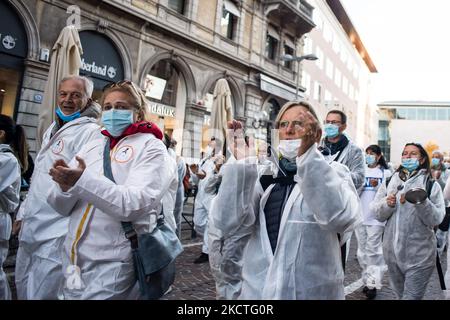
x: 445, y: 223
x: 343, y: 251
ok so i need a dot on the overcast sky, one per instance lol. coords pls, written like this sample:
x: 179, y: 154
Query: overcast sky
x: 409, y: 42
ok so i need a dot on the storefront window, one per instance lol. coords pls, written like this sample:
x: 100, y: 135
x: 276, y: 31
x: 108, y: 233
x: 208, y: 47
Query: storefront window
x: 9, y: 87
x: 13, y: 51
x: 164, y: 70
x: 162, y: 87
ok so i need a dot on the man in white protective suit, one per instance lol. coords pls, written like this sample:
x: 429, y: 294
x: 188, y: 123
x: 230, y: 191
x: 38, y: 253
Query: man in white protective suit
x: 39, y: 273
x: 203, y: 199
x: 292, y: 215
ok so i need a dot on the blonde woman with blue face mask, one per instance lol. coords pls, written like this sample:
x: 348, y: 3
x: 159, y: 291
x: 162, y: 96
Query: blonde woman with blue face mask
x: 409, y: 242
x: 291, y: 216
x: 97, y: 261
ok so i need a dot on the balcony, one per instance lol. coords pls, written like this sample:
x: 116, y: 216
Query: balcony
x: 295, y: 15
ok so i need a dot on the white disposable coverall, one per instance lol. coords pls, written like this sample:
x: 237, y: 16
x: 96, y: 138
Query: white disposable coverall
x: 370, y: 233
x: 409, y: 242
x: 38, y: 263
x: 353, y: 158
x: 203, y: 202
x: 179, y: 199
x: 9, y: 201
x: 168, y: 200
x: 95, y: 241
x: 442, y: 236
x: 307, y: 262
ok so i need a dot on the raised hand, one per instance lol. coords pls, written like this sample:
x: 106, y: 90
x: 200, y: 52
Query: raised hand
x: 237, y: 142
x: 310, y: 131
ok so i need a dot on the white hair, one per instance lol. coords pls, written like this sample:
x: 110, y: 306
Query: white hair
x: 88, y: 84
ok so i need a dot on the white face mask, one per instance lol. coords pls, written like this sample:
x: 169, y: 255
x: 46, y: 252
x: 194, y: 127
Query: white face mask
x: 289, y: 148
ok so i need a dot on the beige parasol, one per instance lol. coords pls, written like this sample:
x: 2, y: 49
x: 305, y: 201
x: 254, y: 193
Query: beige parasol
x: 65, y: 61
x: 222, y: 110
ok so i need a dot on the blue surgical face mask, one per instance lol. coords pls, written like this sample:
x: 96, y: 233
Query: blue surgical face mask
x: 331, y: 130
x: 67, y: 118
x: 410, y: 164
x: 370, y: 159
x: 116, y: 121
x: 435, y: 162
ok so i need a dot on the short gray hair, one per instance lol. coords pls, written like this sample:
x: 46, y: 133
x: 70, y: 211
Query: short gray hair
x: 88, y: 84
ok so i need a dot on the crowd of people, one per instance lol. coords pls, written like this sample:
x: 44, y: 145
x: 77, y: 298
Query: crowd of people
x: 276, y: 222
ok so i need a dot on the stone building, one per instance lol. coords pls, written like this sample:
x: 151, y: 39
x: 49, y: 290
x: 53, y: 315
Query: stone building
x: 341, y: 77
x: 181, y: 46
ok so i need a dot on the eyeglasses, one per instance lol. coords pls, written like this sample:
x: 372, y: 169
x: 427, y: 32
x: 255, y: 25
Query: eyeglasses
x: 297, y: 124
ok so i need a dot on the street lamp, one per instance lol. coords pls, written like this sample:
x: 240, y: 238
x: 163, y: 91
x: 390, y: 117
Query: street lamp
x: 288, y: 57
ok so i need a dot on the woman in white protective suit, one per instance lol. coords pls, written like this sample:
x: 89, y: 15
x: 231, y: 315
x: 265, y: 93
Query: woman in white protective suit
x: 12, y: 145
x: 292, y: 220
x: 370, y: 233
x: 98, y: 259
x: 409, y: 242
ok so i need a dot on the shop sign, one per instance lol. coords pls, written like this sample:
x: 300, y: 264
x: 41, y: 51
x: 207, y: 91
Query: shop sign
x: 162, y: 110
x: 100, y: 70
x: 8, y: 41
x: 101, y: 59
x: 13, y: 37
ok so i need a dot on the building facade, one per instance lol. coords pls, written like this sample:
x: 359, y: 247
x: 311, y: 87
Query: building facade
x: 424, y: 122
x: 341, y: 77
x: 180, y: 47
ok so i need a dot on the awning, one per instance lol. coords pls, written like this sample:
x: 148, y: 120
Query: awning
x: 231, y: 8
x: 289, y: 42
x: 273, y: 32
x: 278, y: 88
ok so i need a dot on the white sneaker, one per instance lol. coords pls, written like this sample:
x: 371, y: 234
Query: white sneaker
x: 168, y: 290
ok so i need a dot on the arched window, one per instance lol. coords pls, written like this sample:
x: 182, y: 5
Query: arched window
x: 165, y: 88
x: 166, y: 77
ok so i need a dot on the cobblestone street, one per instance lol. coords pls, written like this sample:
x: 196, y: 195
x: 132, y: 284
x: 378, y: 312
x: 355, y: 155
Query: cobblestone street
x: 195, y: 282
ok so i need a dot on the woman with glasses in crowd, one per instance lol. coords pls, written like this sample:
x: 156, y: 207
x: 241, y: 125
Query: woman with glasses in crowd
x: 292, y: 215
x: 409, y: 242
x: 98, y: 259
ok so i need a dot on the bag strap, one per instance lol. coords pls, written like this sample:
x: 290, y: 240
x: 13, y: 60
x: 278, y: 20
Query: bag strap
x: 127, y: 227
x: 429, y: 186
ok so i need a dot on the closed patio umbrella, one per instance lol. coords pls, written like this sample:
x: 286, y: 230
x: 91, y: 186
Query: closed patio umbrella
x: 222, y: 109
x: 65, y: 60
